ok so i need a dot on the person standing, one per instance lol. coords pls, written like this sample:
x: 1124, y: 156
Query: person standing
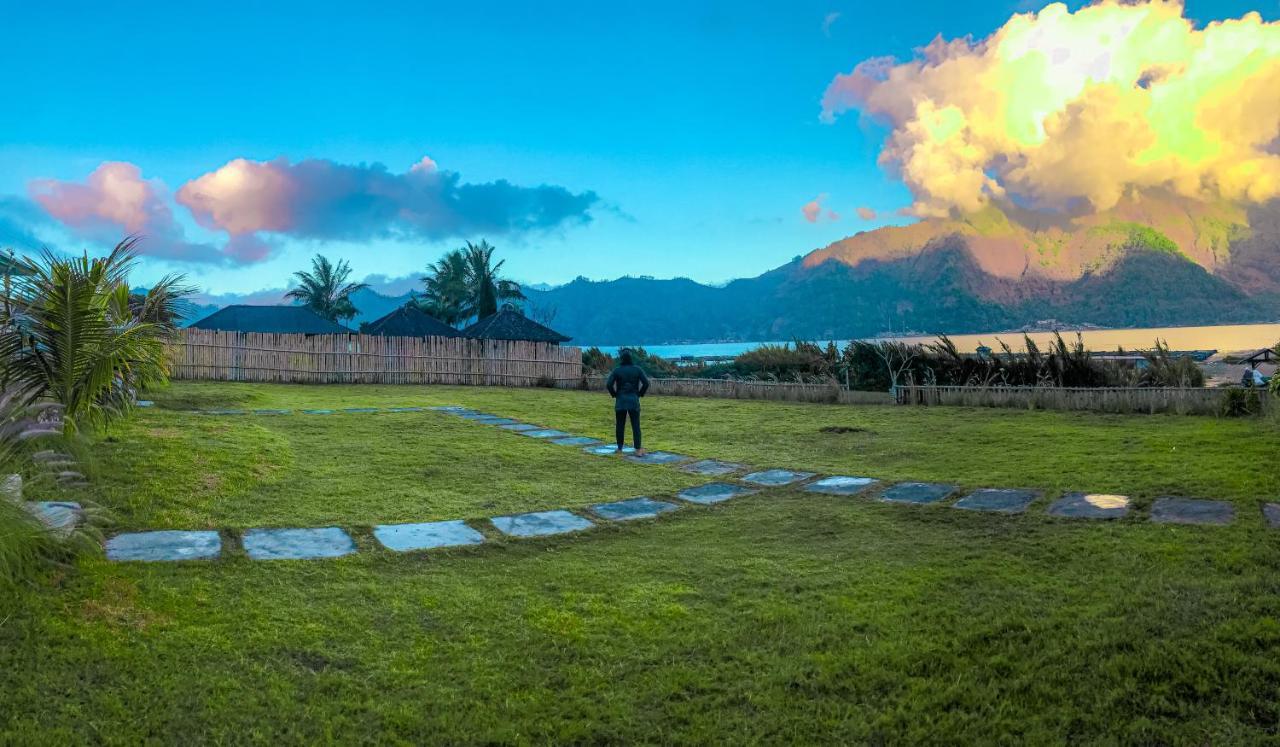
x: 627, y: 384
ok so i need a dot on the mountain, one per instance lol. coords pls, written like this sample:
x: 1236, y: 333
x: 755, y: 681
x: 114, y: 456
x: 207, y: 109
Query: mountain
x: 1155, y: 261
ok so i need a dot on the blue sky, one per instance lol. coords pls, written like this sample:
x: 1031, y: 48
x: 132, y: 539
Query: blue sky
x: 691, y: 129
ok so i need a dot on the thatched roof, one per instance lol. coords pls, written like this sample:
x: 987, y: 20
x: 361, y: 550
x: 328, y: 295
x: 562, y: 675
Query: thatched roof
x: 287, y: 320
x: 509, y: 324
x: 409, y: 321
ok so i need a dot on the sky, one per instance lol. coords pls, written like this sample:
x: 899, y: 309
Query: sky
x: 665, y: 139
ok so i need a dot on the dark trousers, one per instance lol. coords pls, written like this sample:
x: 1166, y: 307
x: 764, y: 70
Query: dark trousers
x: 620, y: 425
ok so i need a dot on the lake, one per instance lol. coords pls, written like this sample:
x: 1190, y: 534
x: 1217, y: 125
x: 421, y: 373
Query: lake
x: 1224, y: 338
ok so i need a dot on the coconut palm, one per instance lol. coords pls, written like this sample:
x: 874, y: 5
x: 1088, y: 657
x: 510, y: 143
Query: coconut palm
x: 67, y: 333
x: 487, y: 288
x: 325, y: 289
x: 447, y: 296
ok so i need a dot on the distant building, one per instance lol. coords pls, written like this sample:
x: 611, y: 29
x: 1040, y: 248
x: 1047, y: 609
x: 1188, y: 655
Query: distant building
x: 279, y: 320
x: 509, y: 324
x: 409, y: 321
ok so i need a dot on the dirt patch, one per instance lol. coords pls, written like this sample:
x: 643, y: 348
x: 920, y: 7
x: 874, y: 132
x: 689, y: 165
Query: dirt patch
x: 843, y: 429
x: 211, y: 481
x: 116, y: 606
x: 164, y: 433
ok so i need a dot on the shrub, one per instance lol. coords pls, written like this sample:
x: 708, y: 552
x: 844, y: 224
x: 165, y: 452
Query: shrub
x: 1238, y: 402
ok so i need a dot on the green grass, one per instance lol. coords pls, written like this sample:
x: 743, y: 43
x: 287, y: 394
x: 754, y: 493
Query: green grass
x: 783, y: 617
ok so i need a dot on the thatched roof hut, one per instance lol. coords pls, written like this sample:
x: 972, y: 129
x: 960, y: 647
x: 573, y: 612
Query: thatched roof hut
x: 510, y: 324
x: 286, y: 320
x: 409, y: 321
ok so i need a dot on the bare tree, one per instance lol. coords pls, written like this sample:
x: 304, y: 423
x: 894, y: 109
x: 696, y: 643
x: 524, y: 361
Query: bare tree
x: 543, y: 315
x: 898, y: 358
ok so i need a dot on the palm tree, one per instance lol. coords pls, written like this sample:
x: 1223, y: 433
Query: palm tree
x: 67, y: 333
x: 325, y: 289
x: 487, y: 288
x: 447, y: 296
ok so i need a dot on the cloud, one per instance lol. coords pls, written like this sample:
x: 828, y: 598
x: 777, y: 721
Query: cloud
x: 866, y: 213
x: 321, y: 199
x: 827, y: 22
x: 115, y: 201
x: 1058, y: 107
x: 812, y: 210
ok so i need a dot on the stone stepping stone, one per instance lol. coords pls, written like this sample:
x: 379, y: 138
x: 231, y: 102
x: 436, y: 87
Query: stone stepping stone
x: 1271, y: 512
x: 1170, y: 510
x: 145, y: 403
x: 61, y: 517
x: 576, y: 441
x: 223, y: 412
x: 544, y: 433
x: 635, y: 508
x: 841, y: 485
x: 540, y: 523
x: 404, y: 409
x: 495, y: 421
x: 472, y: 415
x: 408, y: 537
x: 917, y: 492
x: 1090, y: 506
x: 448, y: 408
x: 712, y: 468
x: 714, y: 492
x: 521, y: 427
x: 773, y: 478
x: 273, y: 412
x: 360, y: 409
x: 998, y: 500
x: 317, y: 412
x: 608, y: 450
x: 164, y: 545
x: 658, y: 457
x: 297, y: 544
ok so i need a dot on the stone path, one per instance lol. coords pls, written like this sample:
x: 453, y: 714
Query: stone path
x: 331, y: 542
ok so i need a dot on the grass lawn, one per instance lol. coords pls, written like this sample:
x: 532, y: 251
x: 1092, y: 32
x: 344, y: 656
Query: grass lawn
x: 783, y: 617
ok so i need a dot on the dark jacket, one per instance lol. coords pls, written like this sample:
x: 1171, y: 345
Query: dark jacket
x: 627, y: 384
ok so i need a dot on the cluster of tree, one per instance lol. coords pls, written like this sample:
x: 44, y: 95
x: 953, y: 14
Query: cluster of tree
x: 877, y: 366
x: 464, y: 284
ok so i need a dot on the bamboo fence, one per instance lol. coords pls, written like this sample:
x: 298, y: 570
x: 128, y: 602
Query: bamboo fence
x: 779, y: 391
x: 371, y: 359
x: 1182, y: 401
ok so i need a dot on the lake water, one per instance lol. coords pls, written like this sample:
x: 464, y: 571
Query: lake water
x: 1224, y: 338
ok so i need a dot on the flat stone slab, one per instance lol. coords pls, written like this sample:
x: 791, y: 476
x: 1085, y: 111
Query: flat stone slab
x: 608, y: 450
x: 998, y: 500
x: 521, y: 427
x: 841, y: 485
x: 471, y: 415
x: 145, y: 403
x: 317, y: 412
x: 223, y: 412
x: 360, y: 409
x: 576, y: 441
x: 540, y: 523
x: 1271, y: 512
x: 404, y: 409
x: 635, y: 508
x: 776, y: 477
x: 297, y: 544
x: 1170, y: 510
x: 658, y: 457
x: 273, y: 412
x: 408, y: 537
x: 712, y: 468
x: 544, y: 433
x: 714, y: 492
x: 164, y: 545
x: 448, y: 408
x: 495, y: 421
x: 1090, y: 506
x: 60, y: 516
x: 917, y: 492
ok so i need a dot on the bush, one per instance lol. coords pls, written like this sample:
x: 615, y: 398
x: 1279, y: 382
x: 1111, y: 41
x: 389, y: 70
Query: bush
x: 796, y: 362
x: 1239, y: 402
